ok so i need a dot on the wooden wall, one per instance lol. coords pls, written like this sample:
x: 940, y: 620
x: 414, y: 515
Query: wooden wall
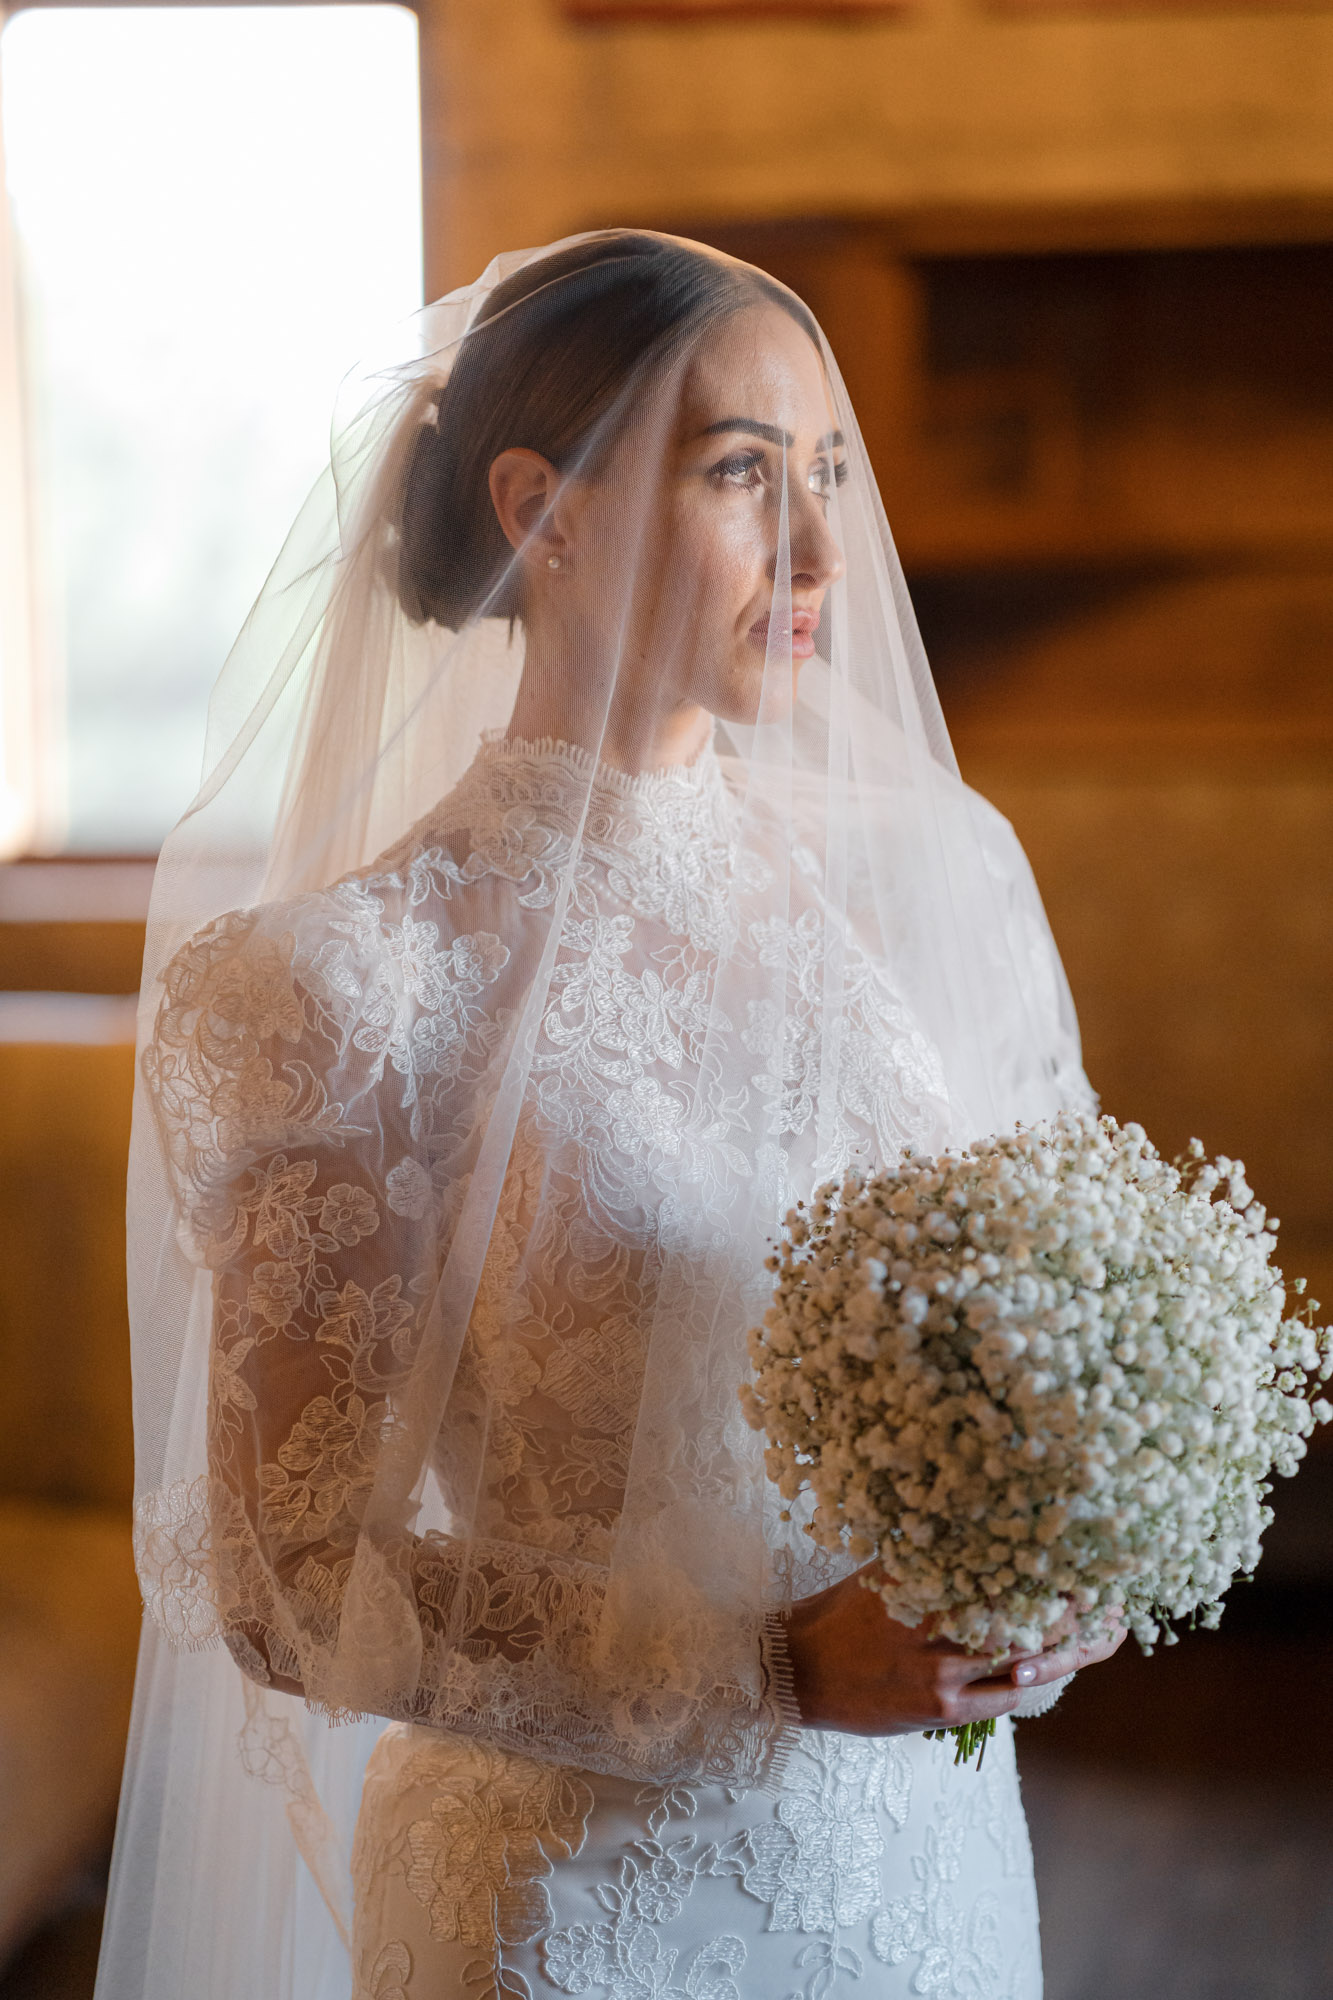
x: 64, y: 1330
x: 955, y: 117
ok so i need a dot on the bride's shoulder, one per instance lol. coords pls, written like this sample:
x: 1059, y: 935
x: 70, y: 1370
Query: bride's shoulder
x: 283, y: 1024
x: 419, y: 903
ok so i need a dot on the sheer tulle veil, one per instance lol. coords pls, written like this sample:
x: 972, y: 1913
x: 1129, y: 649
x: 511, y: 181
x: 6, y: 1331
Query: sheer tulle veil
x: 364, y: 1220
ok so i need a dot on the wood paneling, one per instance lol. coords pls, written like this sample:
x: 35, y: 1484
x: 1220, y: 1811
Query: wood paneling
x: 71, y: 957
x: 1094, y: 128
x: 69, y: 1632
x: 694, y: 11
x: 64, y: 1334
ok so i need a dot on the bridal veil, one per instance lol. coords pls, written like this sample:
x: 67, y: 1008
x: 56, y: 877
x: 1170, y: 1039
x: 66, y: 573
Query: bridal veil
x: 480, y: 1063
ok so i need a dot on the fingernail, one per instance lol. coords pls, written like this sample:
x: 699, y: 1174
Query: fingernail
x: 1025, y: 1676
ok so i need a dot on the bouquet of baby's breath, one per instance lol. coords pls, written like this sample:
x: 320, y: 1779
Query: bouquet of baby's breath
x: 1046, y: 1380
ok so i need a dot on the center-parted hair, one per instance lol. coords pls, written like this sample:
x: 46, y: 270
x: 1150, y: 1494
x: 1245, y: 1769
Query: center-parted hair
x: 547, y: 370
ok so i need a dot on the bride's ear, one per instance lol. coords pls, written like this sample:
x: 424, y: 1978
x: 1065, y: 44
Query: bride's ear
x: 523, y: 492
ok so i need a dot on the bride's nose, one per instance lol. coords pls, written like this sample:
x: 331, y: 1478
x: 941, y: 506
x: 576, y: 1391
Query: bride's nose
x: 816, y: 559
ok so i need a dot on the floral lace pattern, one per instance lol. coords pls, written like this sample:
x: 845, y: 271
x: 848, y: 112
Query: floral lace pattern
x: 475, y: 1862
x: 326, y: 1074
x: 879, y: 1869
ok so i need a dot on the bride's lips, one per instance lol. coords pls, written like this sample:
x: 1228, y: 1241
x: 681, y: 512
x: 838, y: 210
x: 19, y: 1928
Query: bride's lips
x: 802, y: 634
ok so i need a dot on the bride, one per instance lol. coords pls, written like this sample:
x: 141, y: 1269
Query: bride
x: 581, y: 875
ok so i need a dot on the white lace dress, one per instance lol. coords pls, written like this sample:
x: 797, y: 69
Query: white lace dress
x: 878, y: 1869
x: 319, y: 1067
x: 861, y: 1867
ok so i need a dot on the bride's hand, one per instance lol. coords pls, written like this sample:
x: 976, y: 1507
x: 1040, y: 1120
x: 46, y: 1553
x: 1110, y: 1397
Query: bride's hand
x: 858, y: 1670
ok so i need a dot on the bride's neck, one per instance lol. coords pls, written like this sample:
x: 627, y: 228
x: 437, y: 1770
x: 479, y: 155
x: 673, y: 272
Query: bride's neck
x: 635, y: 732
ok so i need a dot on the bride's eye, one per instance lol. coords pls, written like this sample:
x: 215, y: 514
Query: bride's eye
x: 740, y: 468
x: 825, y: 474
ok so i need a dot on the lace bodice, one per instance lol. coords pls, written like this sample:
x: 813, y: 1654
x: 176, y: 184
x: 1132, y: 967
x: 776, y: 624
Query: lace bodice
x: 418, y: 1500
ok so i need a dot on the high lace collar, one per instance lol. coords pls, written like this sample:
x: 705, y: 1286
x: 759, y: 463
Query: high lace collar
x: 564, y: 787
x: 525, y: 756
x: 662, y: 842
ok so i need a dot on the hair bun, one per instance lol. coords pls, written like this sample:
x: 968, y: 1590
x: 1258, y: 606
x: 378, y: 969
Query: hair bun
x: 562, y: 342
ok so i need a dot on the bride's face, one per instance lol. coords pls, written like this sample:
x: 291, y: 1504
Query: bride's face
x: 752, y: 422
x: 667, y: 576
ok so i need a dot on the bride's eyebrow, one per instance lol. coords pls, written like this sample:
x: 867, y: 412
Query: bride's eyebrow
x: 770, y: 433
x: 753, y: 428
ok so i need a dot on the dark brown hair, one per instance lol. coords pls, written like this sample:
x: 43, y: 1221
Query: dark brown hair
x: 562, y: 341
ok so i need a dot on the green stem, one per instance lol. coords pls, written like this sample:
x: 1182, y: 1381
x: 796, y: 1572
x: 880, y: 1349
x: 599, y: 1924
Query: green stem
x: 970, y: 1738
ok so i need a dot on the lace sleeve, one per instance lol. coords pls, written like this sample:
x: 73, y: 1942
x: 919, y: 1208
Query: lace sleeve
x: 304, y: 1187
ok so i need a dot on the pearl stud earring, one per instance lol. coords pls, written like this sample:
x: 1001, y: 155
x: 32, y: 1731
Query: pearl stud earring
x: 552, y: 562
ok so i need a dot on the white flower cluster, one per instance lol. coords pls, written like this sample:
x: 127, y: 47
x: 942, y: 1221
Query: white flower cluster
x: 1046, y: 1380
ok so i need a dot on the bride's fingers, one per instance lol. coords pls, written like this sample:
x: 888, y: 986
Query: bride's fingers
x: 971, y: 1664
x: 980, y: 1701
x: 1026, y: 1670
x: 1101, y: 1649
x: 959, y: 1673
x: 1040, y: 1668
x: 970, y: 1669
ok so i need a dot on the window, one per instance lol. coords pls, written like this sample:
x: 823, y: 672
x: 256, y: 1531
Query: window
x: 215, y: 211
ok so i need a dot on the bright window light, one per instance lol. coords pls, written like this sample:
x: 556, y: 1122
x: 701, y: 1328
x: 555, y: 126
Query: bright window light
x: 217, y: 210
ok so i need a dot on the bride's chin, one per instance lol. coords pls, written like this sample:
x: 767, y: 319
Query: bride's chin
x: 749, y: 696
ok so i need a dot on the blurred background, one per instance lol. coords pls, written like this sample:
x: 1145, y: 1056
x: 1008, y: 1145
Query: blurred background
x: 1076, y: 261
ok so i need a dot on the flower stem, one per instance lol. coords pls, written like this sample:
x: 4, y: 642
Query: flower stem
x: 969, y: 1738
